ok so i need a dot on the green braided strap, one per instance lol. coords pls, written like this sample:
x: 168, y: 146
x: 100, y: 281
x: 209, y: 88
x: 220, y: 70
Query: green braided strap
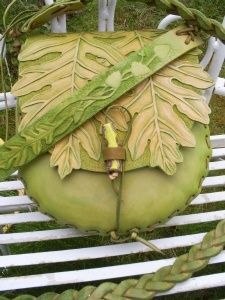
x: 149, y: 285
x: 194, y: 17
x: 190, y: 15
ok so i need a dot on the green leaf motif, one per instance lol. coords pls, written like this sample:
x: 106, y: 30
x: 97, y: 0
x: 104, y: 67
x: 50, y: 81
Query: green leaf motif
x: 138, y: 69
x: 114, y: 80
x: 162, y: 51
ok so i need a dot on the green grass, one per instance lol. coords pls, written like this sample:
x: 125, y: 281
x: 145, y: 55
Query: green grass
x: 130, y: 15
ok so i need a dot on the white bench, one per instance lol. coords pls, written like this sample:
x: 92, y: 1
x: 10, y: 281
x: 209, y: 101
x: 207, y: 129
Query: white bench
x: 133, y: 254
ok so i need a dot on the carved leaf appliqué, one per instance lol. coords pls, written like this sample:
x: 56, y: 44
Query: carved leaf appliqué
x: 157, y: 126
x: 68, y: 62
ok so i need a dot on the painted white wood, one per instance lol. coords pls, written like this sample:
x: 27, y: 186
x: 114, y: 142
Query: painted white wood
x: 195, y: 218
x: 23, y: 218
x: 209, y: 198
x: 58, y: 24
x: 217, y: 165
x: 168, y: 20
x: 2, y: 46
x: 212, y: 46
x: 9, y: 98
x: 218, y: 153
x: 214, y: 181
x: 198, y: 283
x: 96, y: 252
x: 217, y: 141
x: 106, y: 12
x: 14, y: 201
x: 11, y: 185
x: 43, y: 235
x: 104, y: 273
x: 215, y: 65
x: 220, y: 87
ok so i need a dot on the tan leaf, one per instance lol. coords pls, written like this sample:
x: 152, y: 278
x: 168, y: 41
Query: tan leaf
x: 87, y: 135
x: 66, y: 156
x: 157, y: 126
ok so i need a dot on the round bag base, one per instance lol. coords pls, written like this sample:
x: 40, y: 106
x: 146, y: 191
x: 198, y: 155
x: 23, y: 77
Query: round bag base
x: 87, y: 200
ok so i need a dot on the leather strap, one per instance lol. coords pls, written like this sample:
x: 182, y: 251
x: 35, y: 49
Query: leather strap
x: 115, y: 153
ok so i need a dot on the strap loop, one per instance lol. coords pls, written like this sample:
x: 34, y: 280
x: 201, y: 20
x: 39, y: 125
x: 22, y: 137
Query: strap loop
x: 116, y: 153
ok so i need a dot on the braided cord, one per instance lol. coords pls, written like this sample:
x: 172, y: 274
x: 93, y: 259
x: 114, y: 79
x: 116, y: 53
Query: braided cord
x: 194, y: 17
x: 147, y: 286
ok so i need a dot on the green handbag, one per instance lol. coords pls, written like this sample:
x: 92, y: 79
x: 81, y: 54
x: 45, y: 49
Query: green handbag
x: 114, y: 135
x: 120, y: 120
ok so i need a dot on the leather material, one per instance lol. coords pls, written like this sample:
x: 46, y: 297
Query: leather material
x: 149, y: 195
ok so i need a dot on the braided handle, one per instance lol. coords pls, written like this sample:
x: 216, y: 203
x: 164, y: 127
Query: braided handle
x: 193, y: 17
x: 147, y: 286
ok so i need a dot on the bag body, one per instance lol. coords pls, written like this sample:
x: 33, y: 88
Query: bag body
x: 162, y: 124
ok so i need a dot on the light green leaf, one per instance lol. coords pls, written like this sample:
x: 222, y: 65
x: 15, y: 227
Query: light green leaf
x: 138, y: 69
x: 114, y: 80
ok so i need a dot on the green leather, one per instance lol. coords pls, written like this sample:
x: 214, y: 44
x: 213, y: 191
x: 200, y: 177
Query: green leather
x: 86, y: 199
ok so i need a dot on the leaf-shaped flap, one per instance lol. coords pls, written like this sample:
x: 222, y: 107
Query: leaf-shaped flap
x: 53, y: 67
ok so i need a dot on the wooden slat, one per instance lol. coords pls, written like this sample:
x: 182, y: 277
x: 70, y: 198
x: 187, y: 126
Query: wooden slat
x: 217, y: 165
x: 41, y: 235
x: 217, y: 141
x: 195, y: 218
x: 23, y: 218
x: 219, y: 152
x: 214, y: 181
x: 209, y: 198
x: 104, y: 273
x: 197, y: 284
x: 11, y: 185
x: 96, y: 252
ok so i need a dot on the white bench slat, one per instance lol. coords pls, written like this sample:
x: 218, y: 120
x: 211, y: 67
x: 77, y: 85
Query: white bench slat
x: 197, y: 283
x: 214, y: 181
x: 50, y: 257
x: 15, y: 200
x: 195, y: 218
x: 217, y: 141
x: 209, y: 198
x: 218, y: 152
x: 217, y: 165
x: 41, y: 235
x: 24, y: 218
x: 11, y: 185
x: 104, y: 273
